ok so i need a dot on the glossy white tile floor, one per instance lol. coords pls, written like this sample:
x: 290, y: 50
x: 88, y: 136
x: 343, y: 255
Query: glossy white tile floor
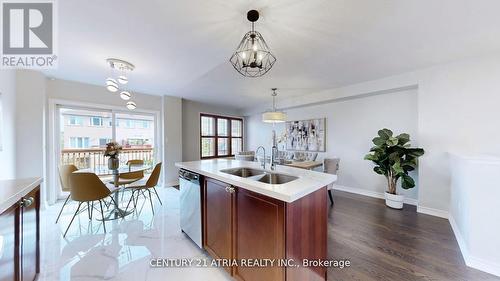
x: 124, y: 252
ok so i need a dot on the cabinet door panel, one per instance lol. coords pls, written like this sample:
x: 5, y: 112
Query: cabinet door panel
x: 218, y: 220
x: 259, y: 234
x: 8, y: 244
x: 307, y: 220
x: 30, y: 237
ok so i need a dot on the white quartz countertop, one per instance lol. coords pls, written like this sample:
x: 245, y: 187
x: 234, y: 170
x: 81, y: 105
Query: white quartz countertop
x: 11, y: 191
x: 307, y: 182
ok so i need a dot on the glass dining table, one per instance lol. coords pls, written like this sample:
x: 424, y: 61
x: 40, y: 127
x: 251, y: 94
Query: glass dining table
x: 103, y: 171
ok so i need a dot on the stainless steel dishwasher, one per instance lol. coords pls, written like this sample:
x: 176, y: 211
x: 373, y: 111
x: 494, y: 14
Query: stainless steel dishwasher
x: 190, y: 205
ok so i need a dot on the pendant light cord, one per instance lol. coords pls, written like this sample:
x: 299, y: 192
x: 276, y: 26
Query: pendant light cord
x: 274, y: 100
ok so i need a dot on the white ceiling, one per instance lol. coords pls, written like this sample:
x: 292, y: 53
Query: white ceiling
x: 182, y: 47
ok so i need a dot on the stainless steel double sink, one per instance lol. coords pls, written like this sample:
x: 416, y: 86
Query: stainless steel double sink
x: 260, y: 175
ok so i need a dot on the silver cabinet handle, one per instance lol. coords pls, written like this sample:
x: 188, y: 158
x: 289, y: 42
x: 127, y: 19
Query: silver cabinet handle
x: 26, y: 202
x: 230, y: 189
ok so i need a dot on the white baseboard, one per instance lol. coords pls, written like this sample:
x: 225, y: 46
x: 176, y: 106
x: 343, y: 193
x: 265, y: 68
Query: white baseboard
x: 483, y: 265
x: 370, y: 193
x: 471, y: 261
x: 460, y: 239
x: 433, y: 212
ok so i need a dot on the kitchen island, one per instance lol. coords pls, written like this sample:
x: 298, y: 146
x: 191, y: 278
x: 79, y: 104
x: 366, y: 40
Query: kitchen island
x: 20, y: 229
x: 263, y: 224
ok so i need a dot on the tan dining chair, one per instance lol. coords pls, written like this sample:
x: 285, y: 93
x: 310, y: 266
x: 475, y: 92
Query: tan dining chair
x: 87, y: 188
x: 146, y: 186
x: 331, y: 166
x: 64, y: 172
x: 131, y: 177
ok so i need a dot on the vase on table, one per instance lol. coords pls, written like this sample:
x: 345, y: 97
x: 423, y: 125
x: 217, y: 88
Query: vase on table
x: 113, y: 163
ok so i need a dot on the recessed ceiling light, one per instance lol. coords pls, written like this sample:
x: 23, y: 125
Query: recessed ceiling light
x: 131, y: 105
x: 125, y: 95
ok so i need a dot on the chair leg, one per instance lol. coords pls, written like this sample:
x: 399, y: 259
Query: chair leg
x: 113, y: 201
x: 60, y: 212
x: 131, y: 198
x: 135, y: 199
x: 102, y: 216
x: 74, y: 215
x: 88, y: 210
x: 151, y: 202
x: 157, y: 196
x: 331, y: 196
x: 92, y: 209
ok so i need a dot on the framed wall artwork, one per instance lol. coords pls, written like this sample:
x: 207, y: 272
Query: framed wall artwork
x: 306, y: 135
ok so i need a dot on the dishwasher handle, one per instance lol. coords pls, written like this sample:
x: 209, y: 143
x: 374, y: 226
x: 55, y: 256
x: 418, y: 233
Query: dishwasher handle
x: 189, y: 176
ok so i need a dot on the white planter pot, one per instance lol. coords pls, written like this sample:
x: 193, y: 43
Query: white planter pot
x: 394, y: 201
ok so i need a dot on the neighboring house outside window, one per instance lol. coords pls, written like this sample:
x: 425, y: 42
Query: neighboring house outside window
x: 75, y: 121
x: 143, y: 124
x: 79, y: 142
x: 126, y: 123
x: 96, y: 121
x: 139, y: 142
x: 103, y: 142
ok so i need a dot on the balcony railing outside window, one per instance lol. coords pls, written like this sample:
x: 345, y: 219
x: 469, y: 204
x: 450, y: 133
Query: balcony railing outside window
x: 94, y: 157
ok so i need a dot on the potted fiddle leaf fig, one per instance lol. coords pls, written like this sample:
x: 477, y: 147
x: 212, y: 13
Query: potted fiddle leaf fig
x: 394, y: 158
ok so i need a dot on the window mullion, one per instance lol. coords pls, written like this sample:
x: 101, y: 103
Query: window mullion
x: 216, y: 130
x: 113, y: 125
x: 230, y: 138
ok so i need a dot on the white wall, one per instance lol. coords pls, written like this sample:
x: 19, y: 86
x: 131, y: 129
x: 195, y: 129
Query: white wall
x: 8, y: 119
x: 473, y: 210
x: 30, y: 123
x: 351, y: 124
x: 191, y: 125
x: 172, y: 131
x: 458, y: 111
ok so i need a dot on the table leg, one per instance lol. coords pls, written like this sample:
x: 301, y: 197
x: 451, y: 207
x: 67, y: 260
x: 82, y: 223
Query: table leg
x: 116, y: 212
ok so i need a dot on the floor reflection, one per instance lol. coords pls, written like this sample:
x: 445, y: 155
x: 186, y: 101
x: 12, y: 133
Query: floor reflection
x: 124, y: 252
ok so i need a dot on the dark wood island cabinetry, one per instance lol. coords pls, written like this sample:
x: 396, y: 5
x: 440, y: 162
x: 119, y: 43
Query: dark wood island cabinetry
x: 243, y: 225
x: 20, y: 229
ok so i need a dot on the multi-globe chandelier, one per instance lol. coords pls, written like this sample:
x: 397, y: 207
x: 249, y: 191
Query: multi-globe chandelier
x: 119, y: 80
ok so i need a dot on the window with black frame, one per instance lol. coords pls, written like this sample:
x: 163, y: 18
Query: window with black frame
x: 220, y: 136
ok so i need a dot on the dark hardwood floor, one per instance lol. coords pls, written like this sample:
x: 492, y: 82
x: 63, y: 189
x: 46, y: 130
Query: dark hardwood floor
x: 387, y: 244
